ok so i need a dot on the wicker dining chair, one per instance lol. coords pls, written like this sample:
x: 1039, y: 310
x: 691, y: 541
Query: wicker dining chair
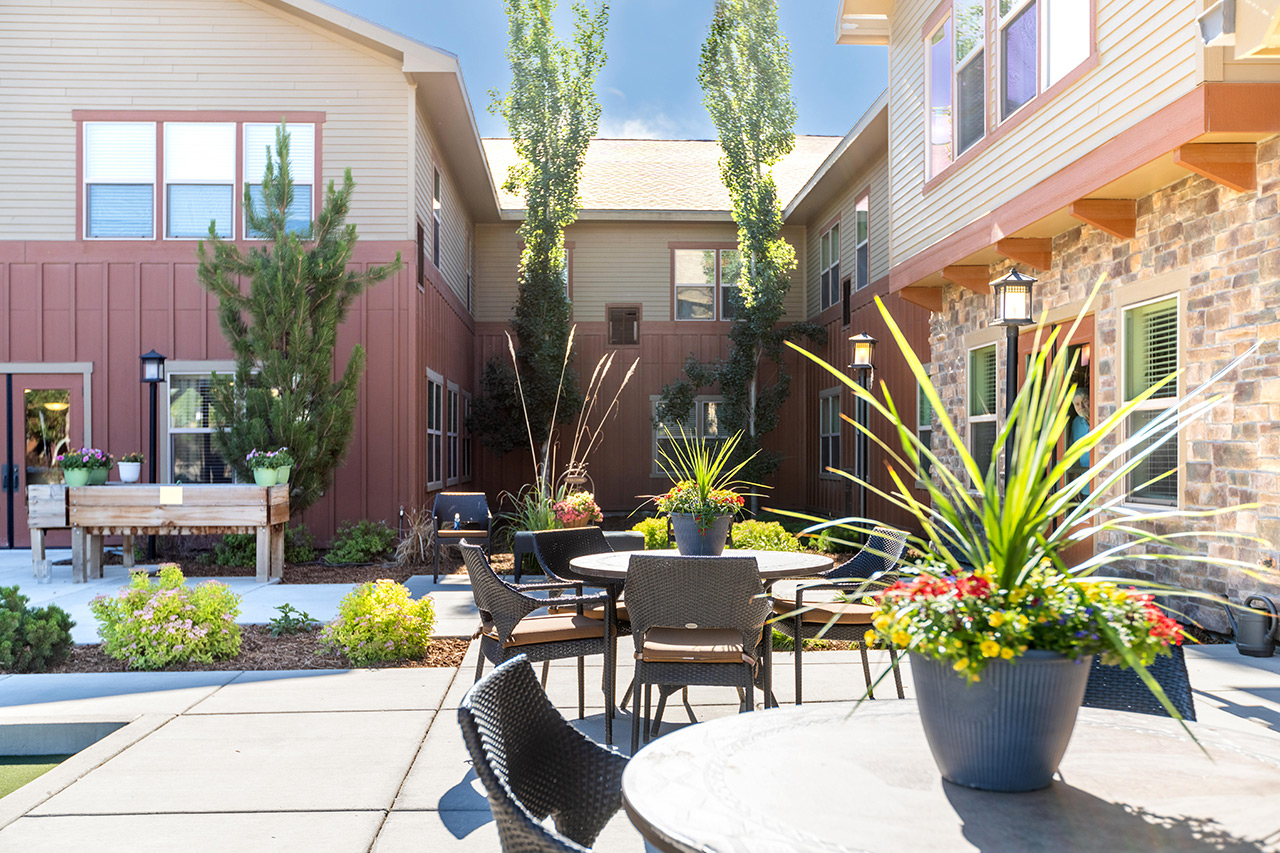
x: 507, y: 629
x: 534, y: 765
x: 694, y: 620
x: 1121, y: 689
x: 840, y: 620
x: 469, y: 511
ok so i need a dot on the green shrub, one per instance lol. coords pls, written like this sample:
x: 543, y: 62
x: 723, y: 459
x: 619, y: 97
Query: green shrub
x: 291, y: 621
x: 150, y: 625
x: 32, y: 639
x: 241, y: 549
x: 655, y: 533
x: 834, y: 541
x: 361, y: 541
x: 380, y: 622
x: 783, y: 643
x: 762, y: 536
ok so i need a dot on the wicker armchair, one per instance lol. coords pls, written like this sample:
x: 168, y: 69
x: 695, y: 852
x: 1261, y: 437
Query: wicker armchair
x: 470, y: 511
x: 694, y: 620
x: 1121, y: 689
x: 507, y: 629
x: 838, y: 620
x: 533, y: 765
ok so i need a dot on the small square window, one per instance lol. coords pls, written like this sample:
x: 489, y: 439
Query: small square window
x: 624, y: 325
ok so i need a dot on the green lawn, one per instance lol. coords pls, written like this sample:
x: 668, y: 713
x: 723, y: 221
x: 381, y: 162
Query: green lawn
x: 18, y: 770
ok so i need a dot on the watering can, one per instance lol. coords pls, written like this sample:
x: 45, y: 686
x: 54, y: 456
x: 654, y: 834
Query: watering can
x: 1256, y: 628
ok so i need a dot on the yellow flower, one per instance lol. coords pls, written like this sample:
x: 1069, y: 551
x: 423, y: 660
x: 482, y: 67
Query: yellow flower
x: 996, y: 619
x: 961, y: 665
x: 957, y: 644
x: 900, y: 638
x: 989, y: 648
x: 870, y: 638
x: 882, y: 622
x: 1006, y: 653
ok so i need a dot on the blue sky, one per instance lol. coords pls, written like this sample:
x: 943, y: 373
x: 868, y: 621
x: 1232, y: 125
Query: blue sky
x: 648, y: 87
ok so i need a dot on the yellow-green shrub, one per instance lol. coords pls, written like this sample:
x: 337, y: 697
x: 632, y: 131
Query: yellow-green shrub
x: 655, y: 533
x: 762, y: 536
x: 379, y: 621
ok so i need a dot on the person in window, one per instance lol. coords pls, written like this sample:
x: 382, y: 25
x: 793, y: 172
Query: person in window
x: 1078, y: 428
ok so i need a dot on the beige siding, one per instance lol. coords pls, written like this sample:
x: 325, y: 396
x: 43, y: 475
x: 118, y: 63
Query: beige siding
x: 1149, y: 57
x: 612, y: 262
x: 875, y: 181
x: 456, y: 228
x: 178, y: 55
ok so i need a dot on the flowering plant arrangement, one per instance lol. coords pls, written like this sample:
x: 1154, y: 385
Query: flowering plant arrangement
x: 262, y: 459
x: 283, y: 458
x: 968, y: 619
x: 85, y: 457
x: 134, y: 457
x: 577, y: 507
x: 380, y: 621
x: 687, y: 498
x: 706, y: 480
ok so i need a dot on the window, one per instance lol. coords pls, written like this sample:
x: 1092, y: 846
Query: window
x: 862, y: 241
x: 451, y: 434
x: 830, y: 267
x: 1019, y: 44
x: 704, y: 422
x: 435, y: 217
x: 435, y: 430
x: 199, y: 178
x: 982, y: 405
x: 624, y: 325
x: 120, y: 179
x: 970, y: 73
x: 699, y: 273
x: 421, y: 246
x: 924, y: 425
x: 1150, y: 355
x: 938, y: 113
x: 828, y: 431
x: 466, y: 437
x: 193, y: 453
x: 259, y: 144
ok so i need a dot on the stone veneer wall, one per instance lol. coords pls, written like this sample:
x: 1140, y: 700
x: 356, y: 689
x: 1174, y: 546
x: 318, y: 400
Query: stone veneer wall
x: 1229, y: 243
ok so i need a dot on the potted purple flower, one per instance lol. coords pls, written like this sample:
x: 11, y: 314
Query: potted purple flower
x: 263, y: 464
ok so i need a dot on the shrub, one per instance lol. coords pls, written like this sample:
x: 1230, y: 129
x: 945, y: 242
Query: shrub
x: 829, y: 542
x: 415, y: 548
x: 762, y: 536
x: 32, y: 639
x: 379, y: 622
x: 655, y: 533
x: 362, y: 541
x: 292, y: 621
x: 150, y: 625
x: 241, y: 549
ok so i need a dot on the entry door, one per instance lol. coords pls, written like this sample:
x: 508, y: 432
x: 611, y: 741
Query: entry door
x: 1080, y: 347
x: 42, y: 416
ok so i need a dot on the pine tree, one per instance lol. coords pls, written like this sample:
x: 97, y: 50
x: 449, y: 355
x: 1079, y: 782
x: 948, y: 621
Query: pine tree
x: 284, y: 330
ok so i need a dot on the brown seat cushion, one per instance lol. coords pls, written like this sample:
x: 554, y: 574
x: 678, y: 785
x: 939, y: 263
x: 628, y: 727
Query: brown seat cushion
x: 822, y: 612
x: 701, y: 645
x: 552, y: 628
x: 460, y: 534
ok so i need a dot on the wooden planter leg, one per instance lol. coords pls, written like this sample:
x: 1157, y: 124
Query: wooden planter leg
x: 37, y: 550
x: 277, y: 552
x: 79, y: 571
x: 95, y: 555
x: 126, y: 549
x: 264, y: 554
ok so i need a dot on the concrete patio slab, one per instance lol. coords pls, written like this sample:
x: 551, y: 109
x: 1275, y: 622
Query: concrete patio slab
x: 330, y: 690
x: 475, y: 831
x: 120, y: 695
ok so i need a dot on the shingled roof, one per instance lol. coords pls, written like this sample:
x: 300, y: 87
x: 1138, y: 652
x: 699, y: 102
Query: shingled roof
x: 661, y: 175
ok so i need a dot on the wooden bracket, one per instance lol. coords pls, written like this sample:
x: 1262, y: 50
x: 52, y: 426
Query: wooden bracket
x: 1117, y: 216
x: 1232, y: 164
x: 976, y: 278
x: 1033, y: 251
x: 925, y: 297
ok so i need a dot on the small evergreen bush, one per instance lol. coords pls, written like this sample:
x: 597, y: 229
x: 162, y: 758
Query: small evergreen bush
x: 32, y: 639
x: 655, y: 533
x: 762, y: 536
x: 379, y: 621
x: 362, y: 541
x: 150, y: 625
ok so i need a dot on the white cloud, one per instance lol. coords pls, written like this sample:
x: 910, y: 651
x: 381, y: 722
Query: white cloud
x: 657, y: 126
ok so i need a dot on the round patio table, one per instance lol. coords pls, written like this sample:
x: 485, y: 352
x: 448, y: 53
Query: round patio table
x: 867, y: 781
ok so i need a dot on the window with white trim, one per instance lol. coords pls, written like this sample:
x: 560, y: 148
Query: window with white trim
x: 435, y: 217
x: 924, y: 425
x: 259, y: 145
x: 451, y: 435
x: 465, y: 451
x: 435, y: 431
x: 938, y: 119
x: 193, y: 421
x: 703, y: 423
x: 830, y: 267
x: 120, y: 179
x: 1150, y: 352
x: 199, y: 178
x: 706, y: 283
x: 970, y: 57
x: 828, y: 431
x: 862, y: 241
x: 982, y: 405
x: 1041, y: 41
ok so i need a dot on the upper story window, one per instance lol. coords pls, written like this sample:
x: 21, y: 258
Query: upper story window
x: 830, y: 267
x: 938, y: 125
x: 1150, y: 352
x: 259, y: 141
x: 435, y: 217
x: 120, y: 179
x: 199, y: 178
x: 862, y: 242
x: 702, y: 273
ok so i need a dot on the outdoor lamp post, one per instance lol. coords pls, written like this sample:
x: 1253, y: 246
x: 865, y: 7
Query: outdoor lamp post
x: 1013, y: 311
x: 152, y: 375
x: 862, y: 352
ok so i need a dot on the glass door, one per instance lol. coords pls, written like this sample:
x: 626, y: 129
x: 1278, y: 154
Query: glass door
x: 43, y: 416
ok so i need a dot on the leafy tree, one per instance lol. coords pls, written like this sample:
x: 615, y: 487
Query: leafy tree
x: 551, y: 112
x: 284, y: 330
x: 745, y: 74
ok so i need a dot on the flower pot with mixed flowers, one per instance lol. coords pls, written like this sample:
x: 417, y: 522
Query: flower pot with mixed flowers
x: 78, y: 465
x: 703, y: 501
x: 577, y: 509
x: 284, y: 465
x: 263, y: 464
x: 130, y: 466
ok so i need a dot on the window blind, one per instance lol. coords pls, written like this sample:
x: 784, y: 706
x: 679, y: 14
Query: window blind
x: 1151, y: 347
x: 982, y: 381
x: 200, y: 152
x: 120, y: 152
x: 189, y: 208
x: 258, y: 138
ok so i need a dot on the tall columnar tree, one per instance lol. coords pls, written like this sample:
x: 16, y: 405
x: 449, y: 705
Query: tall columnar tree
x: 551, y: 112
x: 745, y: 74
x: 283, y: 331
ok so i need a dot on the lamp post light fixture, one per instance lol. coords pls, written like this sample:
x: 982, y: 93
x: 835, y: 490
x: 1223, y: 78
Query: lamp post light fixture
x: 1013, y: 311
x: 152, y: 375
x: 862, y: 354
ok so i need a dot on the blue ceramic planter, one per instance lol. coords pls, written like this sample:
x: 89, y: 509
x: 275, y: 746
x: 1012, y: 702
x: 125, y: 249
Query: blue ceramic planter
x: 692, y: 542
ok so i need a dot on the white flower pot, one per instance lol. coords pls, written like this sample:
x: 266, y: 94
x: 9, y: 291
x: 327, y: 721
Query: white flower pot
x: 129, y: 471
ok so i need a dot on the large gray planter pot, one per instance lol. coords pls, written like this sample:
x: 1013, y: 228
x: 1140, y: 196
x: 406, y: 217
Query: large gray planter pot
x: 692, y: 542
x: 1008, y: 731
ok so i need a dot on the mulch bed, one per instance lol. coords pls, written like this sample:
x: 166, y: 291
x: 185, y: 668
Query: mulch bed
x: 310, y: 573
x: 259, y: 650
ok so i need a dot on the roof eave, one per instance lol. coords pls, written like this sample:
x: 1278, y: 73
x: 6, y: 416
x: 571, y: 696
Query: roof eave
x: 869, y: 134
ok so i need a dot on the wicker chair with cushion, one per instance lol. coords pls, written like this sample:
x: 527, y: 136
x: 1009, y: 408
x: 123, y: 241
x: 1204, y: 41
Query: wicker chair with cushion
x: 555, y: 549
x: 507, y: 629
x: 460, y: 515
x: 1121, y: 689
x: 833, y: 620
x: 694, y: 620
x: 534, y: 765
